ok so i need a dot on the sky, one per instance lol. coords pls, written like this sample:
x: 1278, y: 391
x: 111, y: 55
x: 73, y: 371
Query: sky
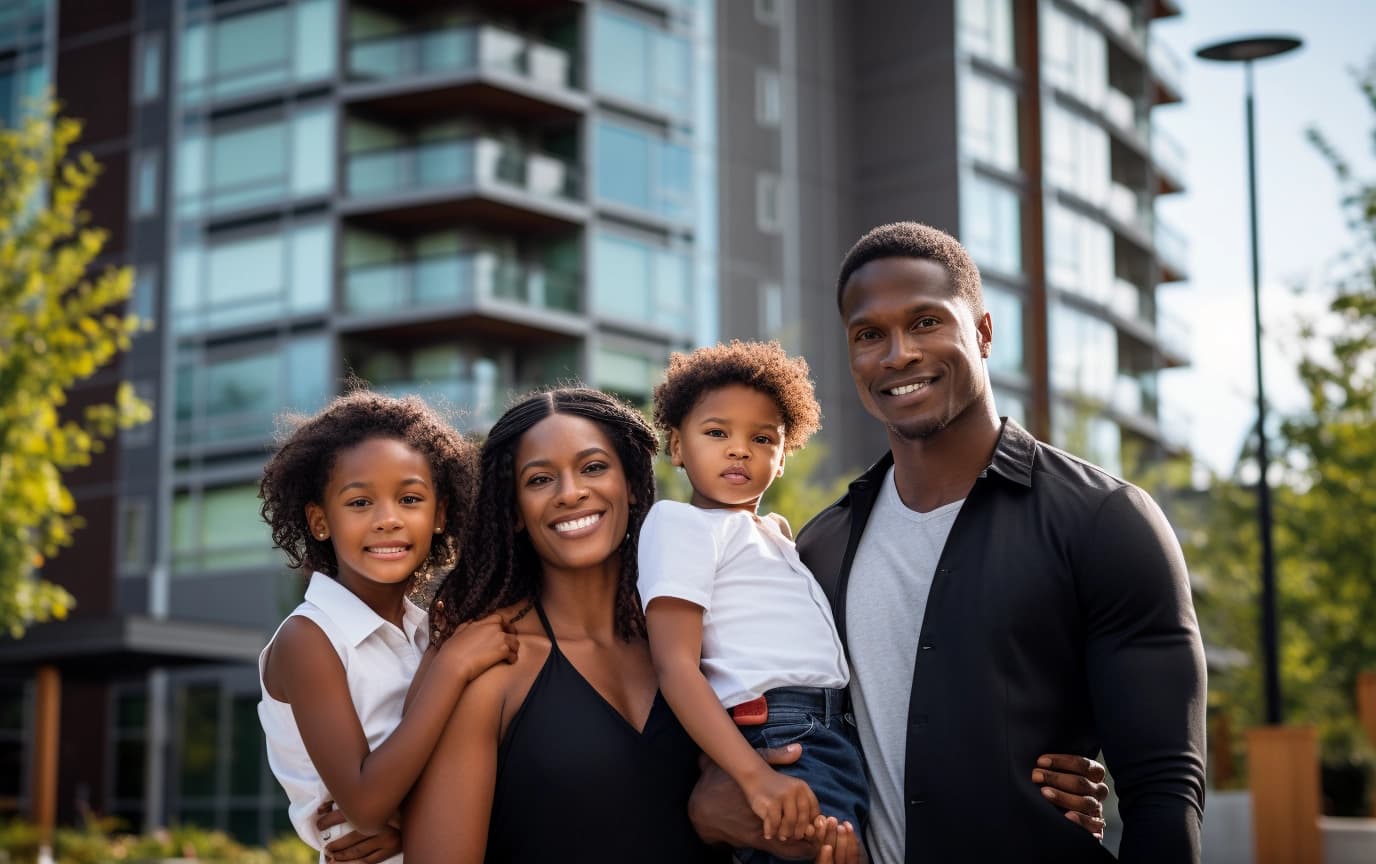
x: 1301, y: 226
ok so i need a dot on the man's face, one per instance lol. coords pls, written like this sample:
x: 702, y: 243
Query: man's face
x: 916, y: 349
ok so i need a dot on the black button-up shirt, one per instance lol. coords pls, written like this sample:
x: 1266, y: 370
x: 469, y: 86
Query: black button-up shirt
x: 1059, y: 621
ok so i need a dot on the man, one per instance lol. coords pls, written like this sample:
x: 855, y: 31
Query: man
x: 998, y: 598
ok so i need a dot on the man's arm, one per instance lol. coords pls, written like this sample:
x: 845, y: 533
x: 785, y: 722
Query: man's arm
x: 1145, y: 663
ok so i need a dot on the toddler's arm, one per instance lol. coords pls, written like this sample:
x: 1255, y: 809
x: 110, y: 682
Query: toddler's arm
x: 303, y: 669
x: 785, y: 804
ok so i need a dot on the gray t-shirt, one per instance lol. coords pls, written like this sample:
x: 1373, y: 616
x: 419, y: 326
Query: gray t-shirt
x: 886, y: 599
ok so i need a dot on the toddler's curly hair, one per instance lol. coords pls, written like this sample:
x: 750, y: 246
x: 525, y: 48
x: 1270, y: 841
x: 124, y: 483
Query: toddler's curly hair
x: 762, y: 365
x: 298, y: 472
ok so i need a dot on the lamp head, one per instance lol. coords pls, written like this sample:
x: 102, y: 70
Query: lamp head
x: 1248, y: 49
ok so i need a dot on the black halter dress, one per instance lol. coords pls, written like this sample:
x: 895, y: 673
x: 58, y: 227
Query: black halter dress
x: 577, y: 783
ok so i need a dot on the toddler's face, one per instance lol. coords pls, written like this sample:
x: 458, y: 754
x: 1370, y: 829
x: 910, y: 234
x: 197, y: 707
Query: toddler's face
x: 731, y: 445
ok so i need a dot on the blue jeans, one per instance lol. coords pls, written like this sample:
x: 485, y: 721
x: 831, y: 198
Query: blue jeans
x: 831, y: 764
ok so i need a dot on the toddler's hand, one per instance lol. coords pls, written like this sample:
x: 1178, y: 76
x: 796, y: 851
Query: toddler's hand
x: 785, y: 804
x: 480, y: 644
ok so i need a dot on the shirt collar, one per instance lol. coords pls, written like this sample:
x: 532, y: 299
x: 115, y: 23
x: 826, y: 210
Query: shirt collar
x: 1014, y: 454
x: 355, y: 619
x: 1013, y: 457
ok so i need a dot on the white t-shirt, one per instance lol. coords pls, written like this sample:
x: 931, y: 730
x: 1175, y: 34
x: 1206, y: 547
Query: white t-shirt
x: 886, y: 600
x: 765, y: 622
x: 379, y: 663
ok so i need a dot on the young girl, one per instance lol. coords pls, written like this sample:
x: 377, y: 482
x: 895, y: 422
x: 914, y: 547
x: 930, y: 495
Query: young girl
x: 365, y: 495
x: 735, y: 620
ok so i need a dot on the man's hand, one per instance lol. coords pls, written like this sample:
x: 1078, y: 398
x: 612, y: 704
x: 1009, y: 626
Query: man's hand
x: 721, y: 815
x: 1076, y: 785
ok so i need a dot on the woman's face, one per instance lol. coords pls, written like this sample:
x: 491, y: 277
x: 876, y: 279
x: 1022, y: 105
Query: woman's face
x: 571, y: 493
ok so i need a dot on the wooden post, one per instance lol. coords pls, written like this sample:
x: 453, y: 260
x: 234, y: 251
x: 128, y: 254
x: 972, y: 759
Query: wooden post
x: 1284, y: 772
x: 47, y: 711
x: 1366, y: 714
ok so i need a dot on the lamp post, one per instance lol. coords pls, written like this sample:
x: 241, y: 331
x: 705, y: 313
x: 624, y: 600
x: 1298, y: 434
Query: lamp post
x: 1245, y: 51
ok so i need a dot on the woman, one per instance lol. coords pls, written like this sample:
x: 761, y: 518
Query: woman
x: 569, y: 753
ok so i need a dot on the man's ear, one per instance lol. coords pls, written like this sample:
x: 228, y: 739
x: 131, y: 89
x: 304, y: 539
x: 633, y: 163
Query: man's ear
x: 984, y: 331
x: 316, y: 522
x: 675, y: 448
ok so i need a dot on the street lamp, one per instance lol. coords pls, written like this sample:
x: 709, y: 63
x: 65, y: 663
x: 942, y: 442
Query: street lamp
x: 1244, y: 51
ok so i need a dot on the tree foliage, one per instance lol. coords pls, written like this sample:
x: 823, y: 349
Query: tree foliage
x: 1324, y: 505
x: 58, y: 326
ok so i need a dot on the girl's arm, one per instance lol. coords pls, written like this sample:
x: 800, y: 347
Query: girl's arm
x: 785, y: 804
x: 445, y: 818
x: 304, y: 670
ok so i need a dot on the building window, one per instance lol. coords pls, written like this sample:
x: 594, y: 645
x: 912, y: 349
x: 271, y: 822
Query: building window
x: 1079, y: 255
x: 643, y: 281
x: 147, y: 164
x: 1074, y: 57
x: 1011, y: 404
x: 1005, y: 311
x: 991, y: 223
x: 142, y: 435
x: 143, y: 298
x: 133, y: 534
x: 16, y: 706
x: 251, y: 277
x: 768, y: 97
x: 641, y: 63
x: 129, y: 742
x: 258, y: 50
x: 1084, y: 355
x: 986, y: 29
x: 1077, y: 427
x: 231, y: 395
x: 771, y: 308
x: 219, y: 529
x: 768, y: 203
x: 250, y: 162
x: 22, y: 82
x: 1077, y: 156
x: 148, y: 67
x: 628, y: 373
x: 989, y: 121
x: 642, y: 170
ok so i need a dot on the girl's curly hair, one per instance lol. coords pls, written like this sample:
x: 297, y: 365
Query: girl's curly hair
x: 764, y: 366
x: 499, y: 566
x: 298, y: 472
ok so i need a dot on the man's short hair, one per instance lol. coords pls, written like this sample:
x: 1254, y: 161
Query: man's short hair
x: 916, y: 240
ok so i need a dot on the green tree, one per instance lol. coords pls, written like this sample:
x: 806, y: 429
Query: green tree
x: 58, y: 325
x: 1325, y: 507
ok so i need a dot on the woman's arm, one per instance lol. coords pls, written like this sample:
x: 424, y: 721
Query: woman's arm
x: 304, y: 670
x: 445, y: 818
x: 785, y: 804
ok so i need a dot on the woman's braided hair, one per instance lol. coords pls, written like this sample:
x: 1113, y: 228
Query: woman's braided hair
x: 499, y: 566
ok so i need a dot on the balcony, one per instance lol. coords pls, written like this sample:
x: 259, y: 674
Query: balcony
x: 477, y: 399
x: 1174, y: 335
x: 1172, y: 253
x: 1168, y: 158
x: 1167, y: 73
x: 482, y: 68
x: 487, y: 293
x: 482, y: 180
x: 1130, y: 209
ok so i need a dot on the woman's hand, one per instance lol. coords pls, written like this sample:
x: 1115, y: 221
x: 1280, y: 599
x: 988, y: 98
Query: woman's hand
x: 1076, y: 785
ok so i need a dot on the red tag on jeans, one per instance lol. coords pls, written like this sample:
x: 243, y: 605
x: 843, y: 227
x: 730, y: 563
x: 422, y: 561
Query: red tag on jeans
x: 752, y: 713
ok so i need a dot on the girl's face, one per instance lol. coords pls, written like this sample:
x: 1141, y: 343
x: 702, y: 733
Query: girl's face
x: 380, y: 511
x: 571, y: 493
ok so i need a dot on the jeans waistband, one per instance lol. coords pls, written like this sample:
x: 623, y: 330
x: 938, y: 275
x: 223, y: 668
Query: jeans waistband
x: 828, y: 703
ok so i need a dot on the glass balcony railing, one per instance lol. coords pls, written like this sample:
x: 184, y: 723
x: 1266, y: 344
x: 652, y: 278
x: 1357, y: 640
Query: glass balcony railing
x: 1166, y: 65
x: 1168, y: 153
x: 478, y: 398
x: 1172, y: 249
x: 473, y: 48
x: 1130, y: 207
x: 460, y: 162
x: 1174, y: 333
x: 457, y: 280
